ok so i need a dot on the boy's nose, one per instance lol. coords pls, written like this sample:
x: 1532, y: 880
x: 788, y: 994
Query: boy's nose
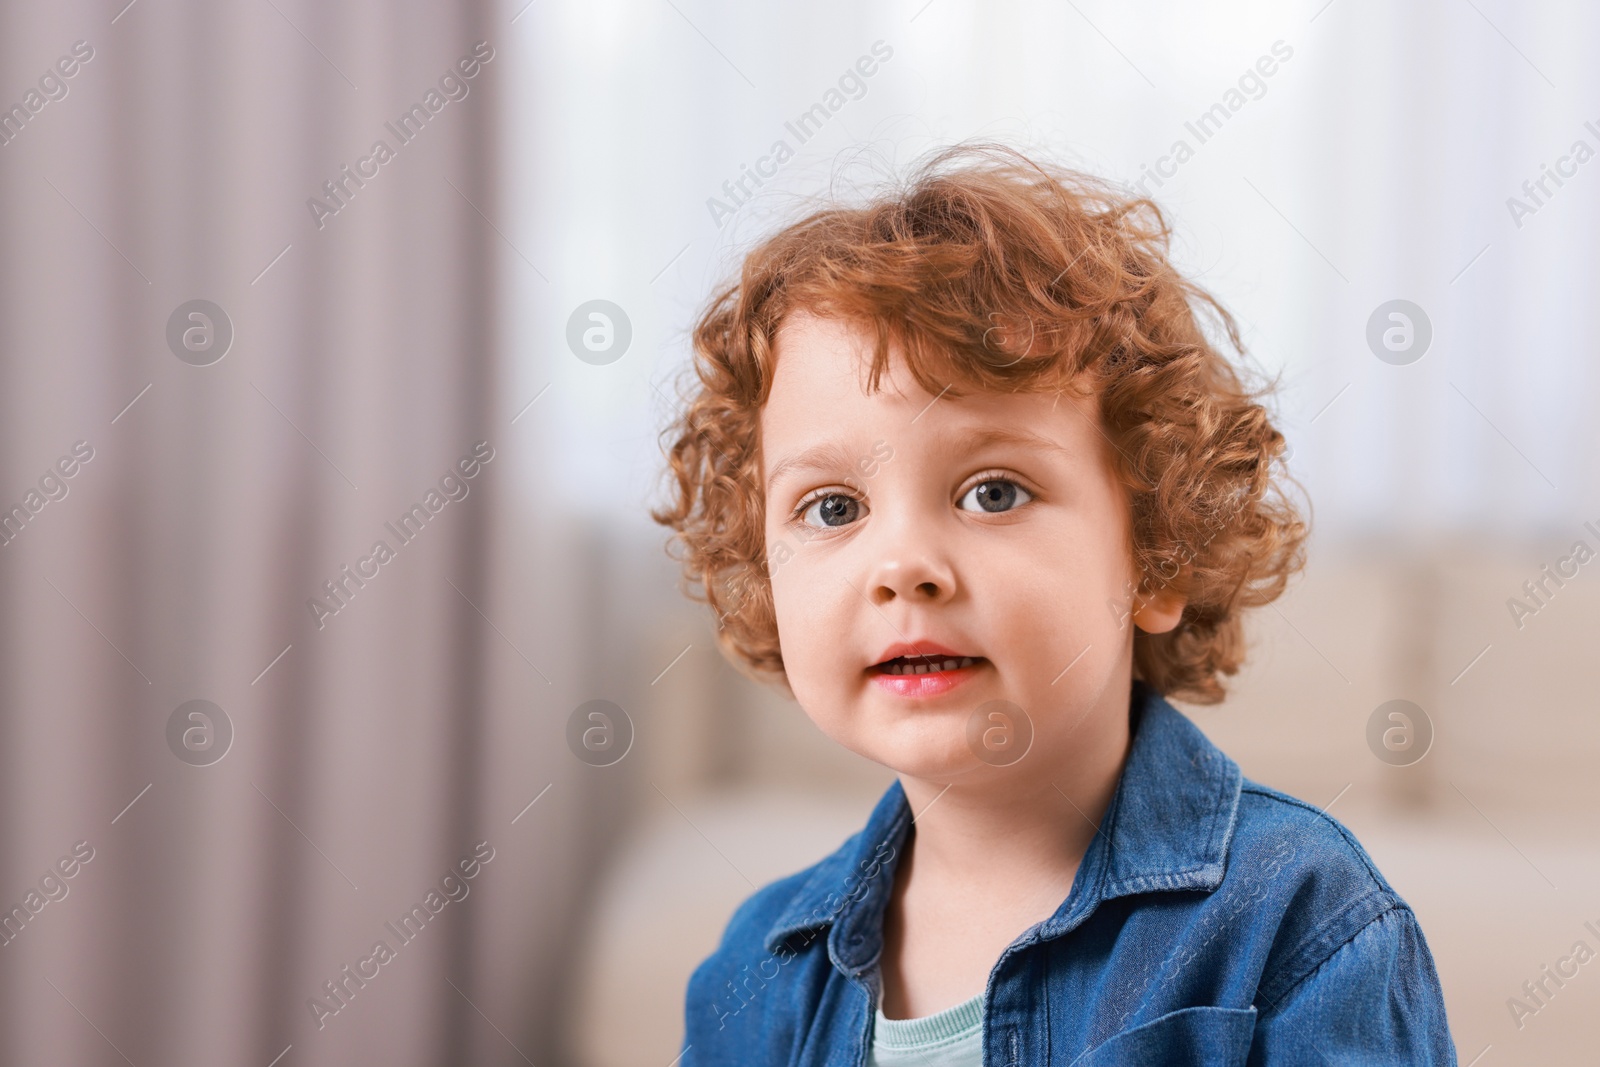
x: 916, y: 578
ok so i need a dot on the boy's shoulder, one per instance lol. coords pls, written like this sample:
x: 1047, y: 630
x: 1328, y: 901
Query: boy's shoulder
x: 759, y: 913
x: 791, y: 910
x: 1271, y: 820
x: 774, y: 966
x: 1309, y: 840
x: 1305, y: 870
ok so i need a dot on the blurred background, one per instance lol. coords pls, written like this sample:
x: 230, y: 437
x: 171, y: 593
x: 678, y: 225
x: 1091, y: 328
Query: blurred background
x: 243, y: 344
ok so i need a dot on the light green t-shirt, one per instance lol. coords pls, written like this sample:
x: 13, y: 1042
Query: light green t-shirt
x: 950, y: 1038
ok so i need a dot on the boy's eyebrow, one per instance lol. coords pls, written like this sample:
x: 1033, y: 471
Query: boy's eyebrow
x: 817, y: 457
x: 832, y: 456
x: 999, y: 435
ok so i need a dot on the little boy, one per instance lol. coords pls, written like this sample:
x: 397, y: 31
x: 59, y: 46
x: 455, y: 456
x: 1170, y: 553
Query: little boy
x: 963, y: 473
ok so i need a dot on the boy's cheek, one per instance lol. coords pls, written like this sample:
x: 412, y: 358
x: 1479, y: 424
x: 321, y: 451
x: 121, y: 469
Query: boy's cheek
x: 819, y: 659
x: 802, y: 629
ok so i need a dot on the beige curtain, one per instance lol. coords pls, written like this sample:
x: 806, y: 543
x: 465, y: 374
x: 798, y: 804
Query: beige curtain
x: 216, y: 541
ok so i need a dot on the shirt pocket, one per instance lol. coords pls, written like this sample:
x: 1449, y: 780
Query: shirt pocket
x: 1214, y: 1037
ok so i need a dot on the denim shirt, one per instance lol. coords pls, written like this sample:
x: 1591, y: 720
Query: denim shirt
x: 1211, y: 921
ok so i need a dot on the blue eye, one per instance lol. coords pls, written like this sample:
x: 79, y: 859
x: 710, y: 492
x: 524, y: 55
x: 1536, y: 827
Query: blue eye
x: 997, y: 494
x: 834, y: 509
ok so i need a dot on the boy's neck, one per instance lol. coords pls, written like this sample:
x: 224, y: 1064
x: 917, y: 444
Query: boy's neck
x: 986, y: 859
x: 1029, y: 829
x: 1030, y: 822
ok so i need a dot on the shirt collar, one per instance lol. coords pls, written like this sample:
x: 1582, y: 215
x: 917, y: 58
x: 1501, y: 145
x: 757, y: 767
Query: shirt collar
x: 1167, y: 828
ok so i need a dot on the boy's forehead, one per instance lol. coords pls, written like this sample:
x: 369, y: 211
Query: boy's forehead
x: 815, y: 348
x: 819, y: 397
x: 816, y: 354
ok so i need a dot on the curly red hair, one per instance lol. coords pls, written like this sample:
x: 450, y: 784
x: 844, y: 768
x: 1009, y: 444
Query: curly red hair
x: 987, y: 269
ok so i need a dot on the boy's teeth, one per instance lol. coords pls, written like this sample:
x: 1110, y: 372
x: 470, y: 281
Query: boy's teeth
x: 926, y: 666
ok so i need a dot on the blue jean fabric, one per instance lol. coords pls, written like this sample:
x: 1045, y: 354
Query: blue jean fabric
x: 1212, y: 921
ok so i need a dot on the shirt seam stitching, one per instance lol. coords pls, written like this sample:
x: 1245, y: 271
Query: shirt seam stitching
x: 1288, y: 993
x: 1267, y: 793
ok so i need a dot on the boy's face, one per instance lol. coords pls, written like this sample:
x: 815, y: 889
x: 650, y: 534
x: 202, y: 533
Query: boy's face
x: 990, y: 528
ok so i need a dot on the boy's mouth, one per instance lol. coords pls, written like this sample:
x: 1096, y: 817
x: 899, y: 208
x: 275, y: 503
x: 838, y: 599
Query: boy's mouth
x: 902, y: 665
x: 923, y: 669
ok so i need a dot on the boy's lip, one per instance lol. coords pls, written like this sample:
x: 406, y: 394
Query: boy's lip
x: 923, y: 647
x: 930, y: 683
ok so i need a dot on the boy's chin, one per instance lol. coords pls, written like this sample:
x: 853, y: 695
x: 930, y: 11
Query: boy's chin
x: 940, y: 763
x: 933, y: 745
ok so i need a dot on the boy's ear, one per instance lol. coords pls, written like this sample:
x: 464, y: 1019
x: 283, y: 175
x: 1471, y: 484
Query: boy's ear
x: 1158, y: 612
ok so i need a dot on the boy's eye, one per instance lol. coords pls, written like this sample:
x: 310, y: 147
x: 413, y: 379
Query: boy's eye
x: 835, y: 509
x: 997, y: 494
